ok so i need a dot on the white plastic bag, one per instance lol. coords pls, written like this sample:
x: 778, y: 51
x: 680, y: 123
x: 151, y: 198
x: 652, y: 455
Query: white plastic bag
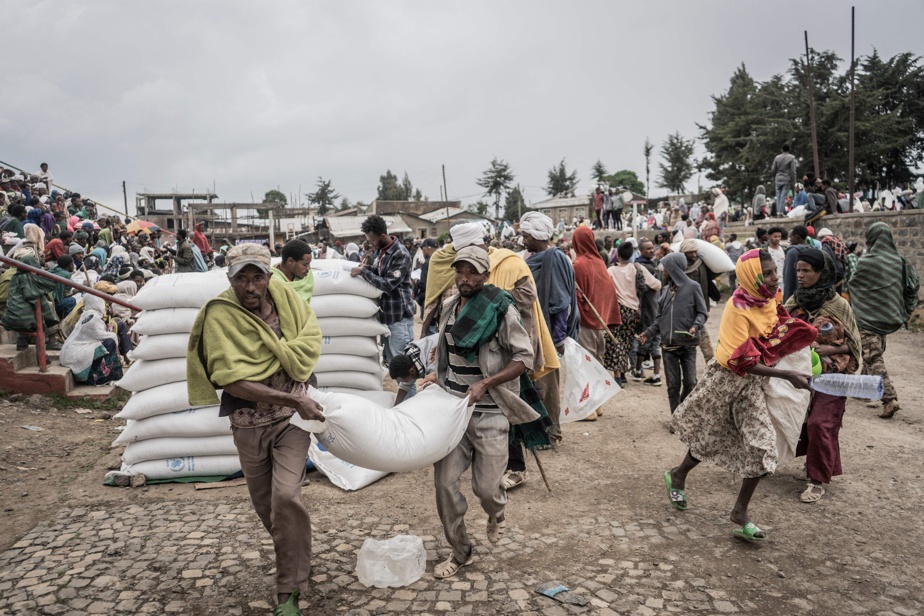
x: 188, y: 290
x: 344, y: 306
x: 145, y: 374
x: 349, y: 345
x: 407, y: 437
x: 160, y: 347
x: 189, y: 424
x: 191, y: 466
x: 586, y: 384
x: 165, y: 321
x: 350, y: 326
x: 342, y: 474
x: 788, y: 405
x: 391, y: 563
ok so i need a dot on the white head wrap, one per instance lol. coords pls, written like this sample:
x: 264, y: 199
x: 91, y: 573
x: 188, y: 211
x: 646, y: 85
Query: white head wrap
x: 537, y: 225
x: 467, y: 234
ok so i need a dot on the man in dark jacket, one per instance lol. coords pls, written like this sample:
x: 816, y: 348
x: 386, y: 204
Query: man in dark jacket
x: 183, y: 254
x: 797, y: 243
x: 648, y: 309
x: 697, y: 271
x: 680, y: 323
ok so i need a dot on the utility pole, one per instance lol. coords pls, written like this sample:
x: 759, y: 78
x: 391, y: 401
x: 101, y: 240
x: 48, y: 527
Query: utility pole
x: 808, y: 58
x: 125, y: 191
x: 850, y: 147
x: 446, y: 193
x: 519, y: 203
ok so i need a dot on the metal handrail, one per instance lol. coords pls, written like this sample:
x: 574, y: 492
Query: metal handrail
x: 76, y: 285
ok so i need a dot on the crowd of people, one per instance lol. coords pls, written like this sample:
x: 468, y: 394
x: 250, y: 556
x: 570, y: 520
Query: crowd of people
x: 495, y: 313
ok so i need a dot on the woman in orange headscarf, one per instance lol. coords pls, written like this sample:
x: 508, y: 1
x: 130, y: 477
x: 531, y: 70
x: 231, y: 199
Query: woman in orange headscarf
x: 726, y: 419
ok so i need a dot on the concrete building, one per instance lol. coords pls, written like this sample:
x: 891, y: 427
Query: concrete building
x: 567, y: 209
x: 435, y: 223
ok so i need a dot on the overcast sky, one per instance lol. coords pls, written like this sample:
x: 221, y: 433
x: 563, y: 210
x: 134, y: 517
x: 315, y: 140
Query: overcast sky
x: 259, y: 95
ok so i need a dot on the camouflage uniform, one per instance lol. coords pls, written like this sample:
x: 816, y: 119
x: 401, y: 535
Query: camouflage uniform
x: 874, y: 345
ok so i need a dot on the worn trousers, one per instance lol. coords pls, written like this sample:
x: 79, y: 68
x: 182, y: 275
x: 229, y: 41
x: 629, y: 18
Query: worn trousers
x: 549, y: 389
x: 874, y: 346
x: 679, y: 374
x: 484, y: 449
x: 273, y: 460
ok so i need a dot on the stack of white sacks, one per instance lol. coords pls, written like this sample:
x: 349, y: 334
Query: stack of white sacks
x: 165, y: 436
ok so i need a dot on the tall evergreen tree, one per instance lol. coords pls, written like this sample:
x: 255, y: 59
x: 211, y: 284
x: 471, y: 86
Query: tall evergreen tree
x: 407, y: 189
x: 598, y: 172
x: 561, y: 183
x: 496, y: 181
x: 323, y: 197
x: 677, y: 168
x: 515, y: 205
x: 389, y: 188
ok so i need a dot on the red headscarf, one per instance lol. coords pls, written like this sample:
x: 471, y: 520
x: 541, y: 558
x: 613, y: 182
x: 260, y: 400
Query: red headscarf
x: 590, y: 275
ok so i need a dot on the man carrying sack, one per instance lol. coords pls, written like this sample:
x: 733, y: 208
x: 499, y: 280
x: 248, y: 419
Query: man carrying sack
x: 484, y: 353
x: 259, y: 342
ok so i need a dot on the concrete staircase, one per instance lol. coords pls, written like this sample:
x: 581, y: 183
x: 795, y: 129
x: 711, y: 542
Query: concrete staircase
x: 19, y: 373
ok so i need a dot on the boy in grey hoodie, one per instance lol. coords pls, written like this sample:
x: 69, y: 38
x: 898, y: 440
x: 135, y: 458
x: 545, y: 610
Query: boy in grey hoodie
x: 681, y: 317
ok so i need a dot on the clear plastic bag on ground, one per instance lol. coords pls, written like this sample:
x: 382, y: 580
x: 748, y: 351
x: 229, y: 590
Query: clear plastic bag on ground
x: 396, y: 562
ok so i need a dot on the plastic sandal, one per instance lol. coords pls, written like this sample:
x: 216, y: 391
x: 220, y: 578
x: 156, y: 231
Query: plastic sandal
x: 514, y: 479
x: 812, y: 493
x: 677, y: 497
x: 449, y: 567
x: 748, y: 532
x: 290, y: 607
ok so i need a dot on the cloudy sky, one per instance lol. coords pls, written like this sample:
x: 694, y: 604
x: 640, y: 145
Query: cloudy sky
x: 258, y: 95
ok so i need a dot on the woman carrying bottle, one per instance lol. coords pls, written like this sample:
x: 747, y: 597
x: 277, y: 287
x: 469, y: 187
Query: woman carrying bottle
x: 726, y: 418
x: 838, y: 344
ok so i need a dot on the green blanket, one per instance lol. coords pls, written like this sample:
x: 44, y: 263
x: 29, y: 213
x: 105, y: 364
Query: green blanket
x: 479, y: 319
x: 23, y: 291
x: 304, y: 287
x: 535, y: 434
x: 228, y: 343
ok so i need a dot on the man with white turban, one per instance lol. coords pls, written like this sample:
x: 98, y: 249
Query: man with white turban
x: 440, y: 275
x: 537, y: 225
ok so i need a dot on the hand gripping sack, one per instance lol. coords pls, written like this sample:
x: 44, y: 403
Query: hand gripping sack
x: 586, y: 384
x: 407, y: 437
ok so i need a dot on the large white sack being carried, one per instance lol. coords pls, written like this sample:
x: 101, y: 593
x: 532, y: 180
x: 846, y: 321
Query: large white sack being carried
x: 145, y: 374
x: 586, y: 384
x: 716, y: 259
x: 339, y: 282
x: 191, y: 466
x: 353, y: 363
x: 165, y: 321
x: 342, y: 474
x: 352, y: 380
x: 407, y: 437
x: 333, y: 264
x: 788, y: 405
x: 344, y: 306
x: 189, y: 290
x: 158, y: 448
x: 364, y: 346
x: 157, y: 401
x: 382, y: 398
x: 347, y: 326
x: 190, y: 423
x: 163, y: 346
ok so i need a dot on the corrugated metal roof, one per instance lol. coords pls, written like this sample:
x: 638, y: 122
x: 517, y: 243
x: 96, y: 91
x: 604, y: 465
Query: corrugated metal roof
x: 561, y: 202
x: 441, y: 214
x: 349, y: 226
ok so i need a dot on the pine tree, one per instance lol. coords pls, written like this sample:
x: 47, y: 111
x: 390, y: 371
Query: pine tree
x: 496, y: 181
x: 598, y: 172
x: 677, y: 168
x: 561, y: 183
x: 323, y: 197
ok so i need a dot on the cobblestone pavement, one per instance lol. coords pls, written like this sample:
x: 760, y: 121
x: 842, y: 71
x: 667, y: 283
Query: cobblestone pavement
x: 183, y: 558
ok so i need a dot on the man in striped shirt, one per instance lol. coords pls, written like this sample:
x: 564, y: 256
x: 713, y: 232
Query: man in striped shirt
x: 483, y: 349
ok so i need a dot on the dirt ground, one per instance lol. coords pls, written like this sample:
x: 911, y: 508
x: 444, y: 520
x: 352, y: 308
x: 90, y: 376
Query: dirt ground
x: 860, y: 543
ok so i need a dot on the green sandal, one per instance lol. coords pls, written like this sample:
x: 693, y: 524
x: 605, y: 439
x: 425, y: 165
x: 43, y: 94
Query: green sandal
x: 748, y: 532
x: 677, y: 497
x: 290, y: 607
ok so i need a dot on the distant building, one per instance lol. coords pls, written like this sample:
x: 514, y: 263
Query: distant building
x: 410, y: 207
x: 567, y: 209
x: 435, y: 223
x: 349, y: 228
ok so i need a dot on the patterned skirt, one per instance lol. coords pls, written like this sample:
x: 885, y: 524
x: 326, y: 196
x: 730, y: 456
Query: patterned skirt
x: 616, y: 355
x: 725, y: 420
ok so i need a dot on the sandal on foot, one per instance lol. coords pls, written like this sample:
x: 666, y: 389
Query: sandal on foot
x: 496, y: 529
x: 450, y: 567
x: 812, y: 493
x: 514, y: 479
x: 290, y: 607
x: 677, y: 497
x: 749, y: 532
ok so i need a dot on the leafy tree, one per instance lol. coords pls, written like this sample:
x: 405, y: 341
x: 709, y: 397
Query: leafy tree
x: 514, y: 205
x: 418, y: 196
x: 407, y: 189
x: 323, y: 197
x: 496, y: 181
x: 626, y: 178
x: 598, y: 172
x: 677, y: 168
x: 344, y: 205
x: 479, y: 207
x: 272, y: 196
x: 649, y: 148
x: 561, y: 183
x: 389, y: 188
